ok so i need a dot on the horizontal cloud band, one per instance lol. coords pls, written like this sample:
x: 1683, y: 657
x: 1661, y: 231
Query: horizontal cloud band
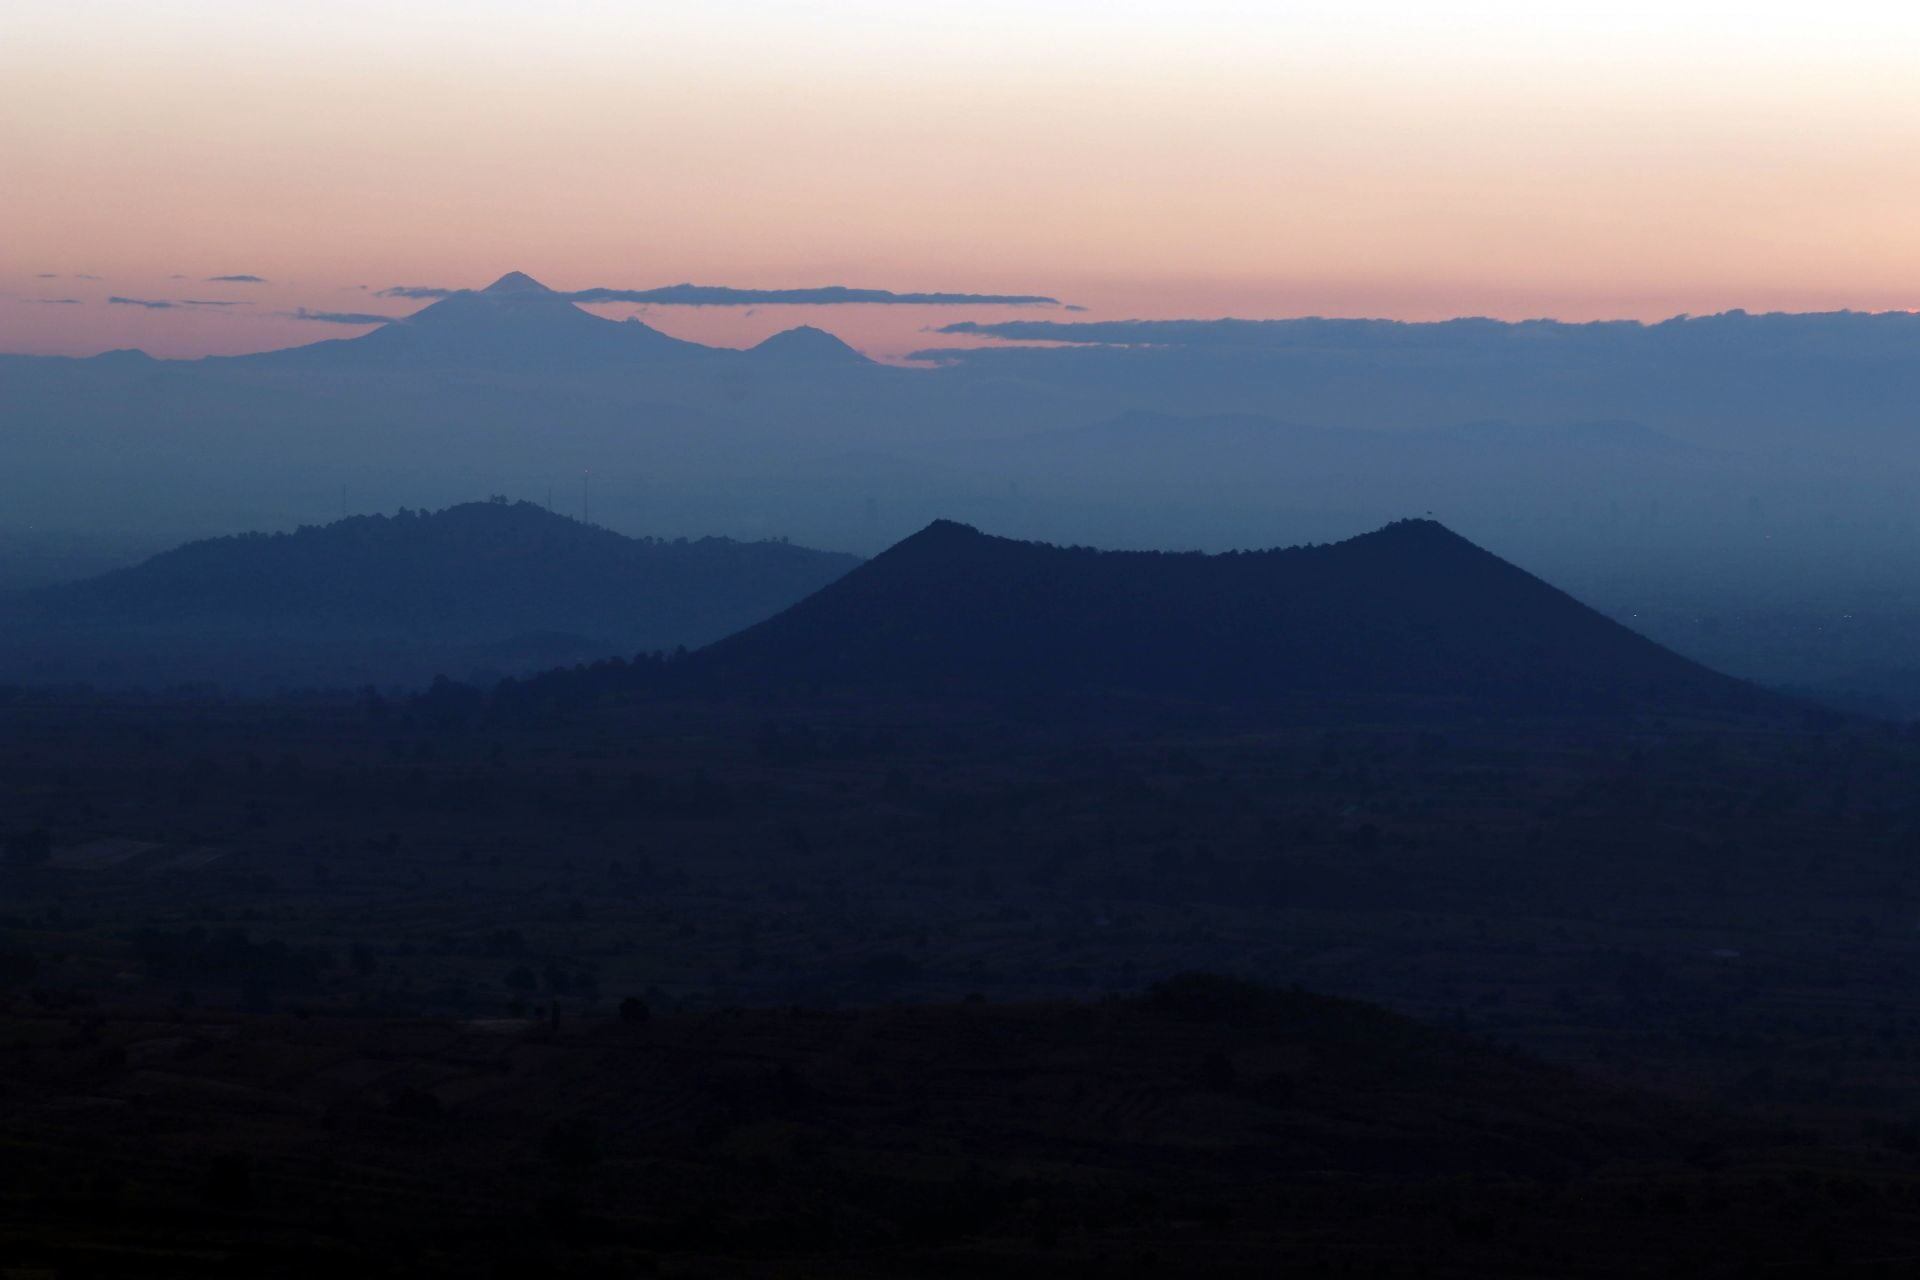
x: 159, y: 304
x: 1469, y: 334
x: 695, y: 295
x: 341, y: 317
x: 1734, y: 342
x: 700, y: 295
x: 1231, y: 333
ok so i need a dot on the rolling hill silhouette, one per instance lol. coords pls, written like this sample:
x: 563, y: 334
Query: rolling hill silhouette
x: 476, y: 583
x: 1411, y: 610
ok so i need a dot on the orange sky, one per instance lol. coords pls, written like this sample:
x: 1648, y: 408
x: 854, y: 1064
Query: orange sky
x: 1207, y: 158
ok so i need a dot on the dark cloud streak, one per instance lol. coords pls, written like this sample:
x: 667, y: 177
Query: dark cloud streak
x: 696, y: 295
x: 699, y: 295
x: 1470, y: 342
x: 168, y: 304
x: 417, y: 291
x: 1279, y: 335
x: 341, y: 317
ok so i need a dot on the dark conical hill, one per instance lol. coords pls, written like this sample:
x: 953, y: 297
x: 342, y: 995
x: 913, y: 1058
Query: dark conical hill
x: 1410, y: 610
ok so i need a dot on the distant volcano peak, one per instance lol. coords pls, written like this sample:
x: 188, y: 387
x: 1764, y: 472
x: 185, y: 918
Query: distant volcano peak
x: 810, y: 344
x: 516, y: 282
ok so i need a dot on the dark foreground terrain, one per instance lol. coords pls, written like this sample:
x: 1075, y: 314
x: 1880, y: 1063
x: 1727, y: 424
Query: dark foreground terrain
x: 1208, y: 1125
x: 281, y: 982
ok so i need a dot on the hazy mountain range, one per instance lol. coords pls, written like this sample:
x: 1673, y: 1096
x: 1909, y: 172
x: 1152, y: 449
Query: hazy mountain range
x: 1411, y: 615
x: 1738, y: 485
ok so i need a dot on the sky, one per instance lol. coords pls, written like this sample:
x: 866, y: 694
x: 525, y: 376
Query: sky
x: 1194, y: 159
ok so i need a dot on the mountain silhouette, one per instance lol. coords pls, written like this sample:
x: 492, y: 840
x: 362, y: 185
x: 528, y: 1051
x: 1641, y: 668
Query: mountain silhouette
x: 515, y: 322
x: 519, y: 323
x: 807, y: 345
x: 516, y: 282
x: 1409, y: 610
x: 481, y: 578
